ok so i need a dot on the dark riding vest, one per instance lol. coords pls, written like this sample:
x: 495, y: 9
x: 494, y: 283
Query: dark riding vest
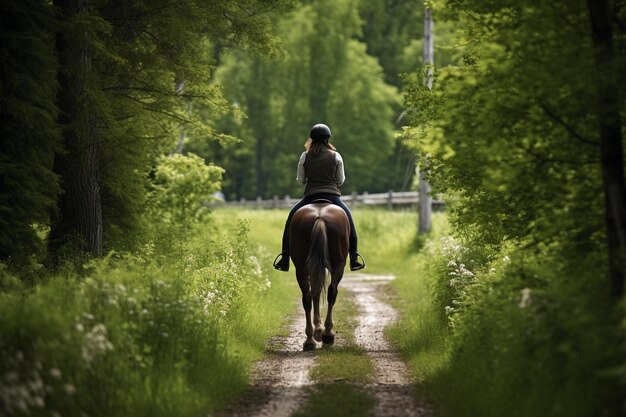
x: 321, y: 173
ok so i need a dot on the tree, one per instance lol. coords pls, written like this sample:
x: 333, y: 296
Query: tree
x: 425, y: 200
x: 513, y: 133
x: 324, y: 75
x: 28, y: 186
x: 119, y: 65
x: 611, y: 147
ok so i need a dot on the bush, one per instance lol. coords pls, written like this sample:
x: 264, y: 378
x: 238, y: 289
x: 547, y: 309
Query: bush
x: 528, y: 333
x: 142, y: 334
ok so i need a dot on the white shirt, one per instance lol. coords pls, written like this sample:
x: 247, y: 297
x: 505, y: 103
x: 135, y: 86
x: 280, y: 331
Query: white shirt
x: 340, y: 175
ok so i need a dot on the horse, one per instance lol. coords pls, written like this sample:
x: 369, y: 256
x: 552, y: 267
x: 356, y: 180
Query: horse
x: 319, y: 243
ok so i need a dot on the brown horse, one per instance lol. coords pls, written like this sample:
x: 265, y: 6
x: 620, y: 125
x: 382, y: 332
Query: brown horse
x: 319, y: 244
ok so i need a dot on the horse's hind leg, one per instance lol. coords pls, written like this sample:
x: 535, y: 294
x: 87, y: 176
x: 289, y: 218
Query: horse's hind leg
x: 328, y: 336
x: 303, y: 282
x: 317, y: 321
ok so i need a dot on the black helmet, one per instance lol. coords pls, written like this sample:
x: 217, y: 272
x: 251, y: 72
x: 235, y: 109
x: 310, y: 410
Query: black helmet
x: 320, y: 131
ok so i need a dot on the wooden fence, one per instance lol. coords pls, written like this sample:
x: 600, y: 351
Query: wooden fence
x: 390, y: 199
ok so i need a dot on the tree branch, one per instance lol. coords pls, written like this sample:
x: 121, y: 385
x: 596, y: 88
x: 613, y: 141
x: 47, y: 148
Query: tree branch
x: 552, y: 115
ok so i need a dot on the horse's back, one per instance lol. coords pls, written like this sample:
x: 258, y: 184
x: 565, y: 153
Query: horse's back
x: 337, y: 230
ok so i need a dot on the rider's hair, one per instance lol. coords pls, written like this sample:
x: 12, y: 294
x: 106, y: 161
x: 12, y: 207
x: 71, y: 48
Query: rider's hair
x: 315, y: 146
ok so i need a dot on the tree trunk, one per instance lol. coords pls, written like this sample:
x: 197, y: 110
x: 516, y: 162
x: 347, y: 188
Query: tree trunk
x: 612, y: 157
x: 78, y: 227
x: 425, y: 200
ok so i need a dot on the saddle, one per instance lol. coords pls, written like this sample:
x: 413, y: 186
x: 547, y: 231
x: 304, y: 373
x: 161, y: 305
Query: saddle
x: 321, y: 201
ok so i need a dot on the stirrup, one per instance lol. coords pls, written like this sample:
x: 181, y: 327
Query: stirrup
x: 355, y: 265
x: 280, y: 264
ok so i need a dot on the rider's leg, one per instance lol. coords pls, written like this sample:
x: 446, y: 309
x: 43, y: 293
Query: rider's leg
x: 282, y: 264
x: 353, y: 240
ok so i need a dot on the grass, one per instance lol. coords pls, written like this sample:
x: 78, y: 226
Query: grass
x: 346, y: 362
x: 336, y: 400
x: 143, y: 334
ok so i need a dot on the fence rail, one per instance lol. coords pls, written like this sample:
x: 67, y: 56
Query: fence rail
x: 390, y: 199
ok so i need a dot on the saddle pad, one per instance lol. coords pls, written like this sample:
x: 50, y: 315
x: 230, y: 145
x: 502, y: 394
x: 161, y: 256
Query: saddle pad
x: 320, y: 201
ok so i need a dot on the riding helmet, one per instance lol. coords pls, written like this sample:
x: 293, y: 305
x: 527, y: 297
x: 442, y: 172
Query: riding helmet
x: 320, y: 131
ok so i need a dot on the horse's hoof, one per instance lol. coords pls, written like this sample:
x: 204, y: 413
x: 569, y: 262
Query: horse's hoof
x: 328, y: 339
x: 317, y: 335
x: 308, y: 346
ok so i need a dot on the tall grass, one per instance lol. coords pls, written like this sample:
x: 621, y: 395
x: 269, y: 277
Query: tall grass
x: 504, y: 331
x: 151, y: 333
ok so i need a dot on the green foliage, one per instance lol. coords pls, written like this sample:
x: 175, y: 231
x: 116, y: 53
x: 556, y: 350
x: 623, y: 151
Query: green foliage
x: 325, y: 74
x: 514, y: 329
x: 183, y: 186
x: 518, y: 295
x: 92, y: 95
x: 143, y: 334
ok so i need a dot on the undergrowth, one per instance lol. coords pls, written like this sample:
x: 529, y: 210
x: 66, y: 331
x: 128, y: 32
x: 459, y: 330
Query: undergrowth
x: 168, y: 330
x: 507, y: 331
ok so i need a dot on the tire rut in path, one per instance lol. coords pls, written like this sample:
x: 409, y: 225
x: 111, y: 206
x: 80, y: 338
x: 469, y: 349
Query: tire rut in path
x: 280, y: 380
x: 392, y: 386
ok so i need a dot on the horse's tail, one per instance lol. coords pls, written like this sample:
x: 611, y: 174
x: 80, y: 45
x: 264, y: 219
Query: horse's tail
x: 318, y: 261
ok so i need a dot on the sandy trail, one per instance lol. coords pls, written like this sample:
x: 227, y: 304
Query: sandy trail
x: 392, y: 387
x: 281, y: 380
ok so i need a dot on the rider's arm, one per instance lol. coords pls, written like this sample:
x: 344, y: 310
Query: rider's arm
x: 340, y: 175
x: 301, y: 176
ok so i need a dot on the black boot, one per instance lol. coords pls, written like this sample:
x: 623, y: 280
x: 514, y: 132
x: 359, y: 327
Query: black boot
x: 355, y: 265
x: 282, y: 264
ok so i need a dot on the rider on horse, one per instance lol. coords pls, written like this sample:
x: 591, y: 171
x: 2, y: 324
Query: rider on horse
x: 321, y: 169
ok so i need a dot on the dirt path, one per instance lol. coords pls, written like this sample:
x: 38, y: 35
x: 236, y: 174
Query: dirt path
x: 281, y: 380
x: 393, y: 388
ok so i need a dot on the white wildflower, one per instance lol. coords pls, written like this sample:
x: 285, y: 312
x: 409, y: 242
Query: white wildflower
x: 80, y: 327
x: 69, y: 389
x: 38, y: 402
x: 506, y: 259
x: 449, y: 310
x: 525, y: 300
x: 256, y: 267
x: 55, y: 373
x: 88, y: 316
x: 95, y: 343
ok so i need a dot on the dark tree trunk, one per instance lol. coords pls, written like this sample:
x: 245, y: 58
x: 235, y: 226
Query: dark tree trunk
x: 610, y: 141
x: 78, y: 227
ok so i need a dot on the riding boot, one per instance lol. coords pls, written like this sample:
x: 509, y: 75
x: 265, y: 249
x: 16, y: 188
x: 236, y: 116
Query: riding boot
x: 355, y: 265
x: 282, y: 264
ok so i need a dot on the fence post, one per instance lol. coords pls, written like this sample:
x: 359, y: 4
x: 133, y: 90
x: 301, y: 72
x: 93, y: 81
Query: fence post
x: 275, y: 202
x: 353, y: 199
x: 287, y: 198
x: 259, y: 202
x: 390, y: 200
